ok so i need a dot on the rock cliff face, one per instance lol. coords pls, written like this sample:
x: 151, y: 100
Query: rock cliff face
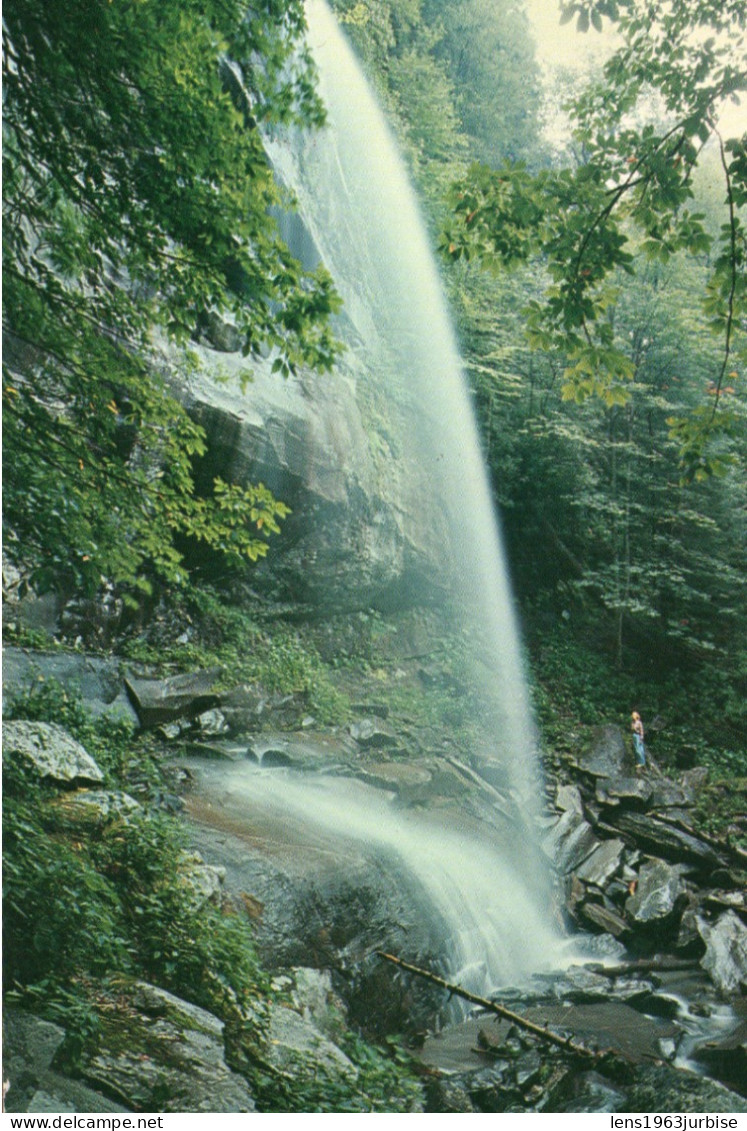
x: 345, y: 450
x: 364, y: 529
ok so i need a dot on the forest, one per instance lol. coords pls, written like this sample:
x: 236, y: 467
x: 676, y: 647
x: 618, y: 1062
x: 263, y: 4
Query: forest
x: 617, y: 461
x: 595, y: 275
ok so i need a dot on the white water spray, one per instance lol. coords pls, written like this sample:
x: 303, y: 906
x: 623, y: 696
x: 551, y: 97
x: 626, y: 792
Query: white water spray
x: 481, y: 906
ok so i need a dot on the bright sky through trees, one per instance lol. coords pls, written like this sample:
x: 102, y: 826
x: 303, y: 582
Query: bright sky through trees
x: 564, y: 47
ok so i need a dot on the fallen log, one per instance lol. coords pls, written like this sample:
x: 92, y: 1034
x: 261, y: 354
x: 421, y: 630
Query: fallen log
x: 538, y: 1031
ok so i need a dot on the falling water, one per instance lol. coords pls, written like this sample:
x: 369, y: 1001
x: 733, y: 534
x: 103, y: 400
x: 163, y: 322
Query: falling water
x: 360, y: 217
x: 487, y: 924
x: 358, y: 205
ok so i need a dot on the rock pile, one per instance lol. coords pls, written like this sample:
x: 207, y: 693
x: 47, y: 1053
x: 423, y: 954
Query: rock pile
x: 631, y: 865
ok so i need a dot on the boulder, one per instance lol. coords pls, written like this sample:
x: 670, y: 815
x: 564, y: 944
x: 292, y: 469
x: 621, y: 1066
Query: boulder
x: 603, y: 919
x: 447, y: 1096
x: 244, y: 708
x: 29, y: 1043
x: 159, y: 701
x: 43, y: 1101
x: 569, y: 797
x: 629, y: 793
x: 99, y: 682
x: 588, y: 1092
x: 89, y: 809
x: 606, y: 755
x: 666, y: 794
x: 603, y: 863
x: 220, y: 749
x: 300, y: 749
x: 271, y: 754
x: 569, y: 841
x: 170, y: 732
x: 22, y: 605
x: 725, y: 956
x: 659, y: 896
x: 695, y: 780
x: 221, y: 335
x: 159, y: 1053
x: 717, y: 901
x: 528, y: 1069
x: 371, y: 734
x: 204, y: 881
x: 663, y: 839
x: 688, y: 941
x: 295, y: 1045
x: 580, y: 984
x: 51, y: 751
x: 314, y: 996
x: 726, y: 1058
x: 656, y: 1087
x: 248, y: 709
x: 212, y: 724
x: 31, y: 1082
x: 402, y: 777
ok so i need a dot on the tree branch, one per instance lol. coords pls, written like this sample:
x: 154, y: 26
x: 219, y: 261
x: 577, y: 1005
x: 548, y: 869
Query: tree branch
x: 538, y: 1031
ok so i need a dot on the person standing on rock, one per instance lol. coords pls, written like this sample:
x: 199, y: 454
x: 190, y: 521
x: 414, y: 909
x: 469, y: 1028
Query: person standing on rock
x: 640, y: 750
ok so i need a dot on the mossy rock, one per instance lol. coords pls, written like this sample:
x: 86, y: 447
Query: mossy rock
x: 156, y: 1052
x: 661, y: 1088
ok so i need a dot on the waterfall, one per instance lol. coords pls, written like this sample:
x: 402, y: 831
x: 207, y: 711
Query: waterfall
x: 359, y: 208
x: 360, y: 217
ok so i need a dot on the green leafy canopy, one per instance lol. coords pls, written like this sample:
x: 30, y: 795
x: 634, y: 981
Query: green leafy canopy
x: 137, y: 195
x: 642, y: 129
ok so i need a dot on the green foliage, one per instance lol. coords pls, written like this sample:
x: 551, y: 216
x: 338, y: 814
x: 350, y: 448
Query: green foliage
x: 630, y: 199
x: 398, y: 50
x: 384, y: 1082
x: 278, y: 657
x: 24, y: 636
x: 118, y: 900
x: 487, y: 52
x: 136, y: 195
x: 700, y: 711
x: 721, y: 805
x: 61, y: 915
x: 457, y: 79
x: 418, y: 83
x: 109, y: 739
x: 584, y: 687
x: 175, y: 940
x: 594, y: 510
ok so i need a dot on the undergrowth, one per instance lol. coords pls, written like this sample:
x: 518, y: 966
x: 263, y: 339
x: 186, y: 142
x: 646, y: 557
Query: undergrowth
x: 378, y: 1081
x: 688, y: 722
x: 85, y: 898
x: 199, y: 629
